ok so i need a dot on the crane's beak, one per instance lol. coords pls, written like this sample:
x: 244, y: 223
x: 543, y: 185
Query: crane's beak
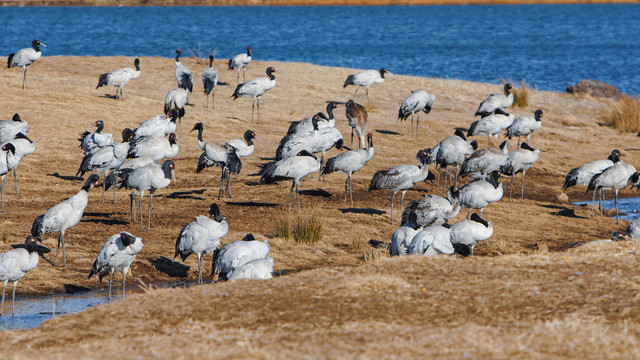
x: 43, y: 44
x: 173, y: 175
x: 256, y: 138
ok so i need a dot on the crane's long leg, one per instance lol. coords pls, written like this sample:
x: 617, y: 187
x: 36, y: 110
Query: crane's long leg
x: 2, y: 306
x: 13, y: 298
x: 15, y: 179
x: 393, y: 197
x: 355, y: 92
x: 140, y: 209
x: 367, y: 91
x: 402, y: 199
x: 150, y: 199
x: 298, y: 197
x: 617, y: 221
x: 221, y: 190
x: 199, y: 268
x: 238, y: 76
x: 258, y: 108
x: 352, y: 136
x: 213, y: 99
x: 411, y: 123
x: 228, y: 183
x: 115, y: 198
x: 24, y: 79
x: 593, y: 202
x: 345, y: 188
x: 132, y: 206
x: 253, y: 105
x: 244, y: 69
x: 124, y: 280
x: 469, y: 214
x: 522, y: 188
x: 293, y: 184
x: 446, y: 172
x: 350, y: 192
x: 457, y: 173
x: 417, y: 123
x: 602, y: 209
x: 110, y: 279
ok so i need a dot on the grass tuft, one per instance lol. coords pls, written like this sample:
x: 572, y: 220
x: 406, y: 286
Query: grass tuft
x: 625, y: 116
x: 306, y: 229
x: 521, y: 95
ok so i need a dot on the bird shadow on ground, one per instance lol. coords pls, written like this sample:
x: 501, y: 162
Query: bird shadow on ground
x: 316, y: 192
x: 108, y: 96
x: 251, y: 204
x: 266, y: 158
x: 252, y: 183
x: 169, y: 267
x: 74, y: 289
x: 563, y: 211
x: 66, y: 177
x: 377, y: 243
x: 102, y: 218
x: 387, y: 132
x: 187, y: 194
x: 464, y: 130
x: 368, y: 211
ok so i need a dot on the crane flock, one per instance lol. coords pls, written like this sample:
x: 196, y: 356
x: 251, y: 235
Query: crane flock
x: 424, y: 231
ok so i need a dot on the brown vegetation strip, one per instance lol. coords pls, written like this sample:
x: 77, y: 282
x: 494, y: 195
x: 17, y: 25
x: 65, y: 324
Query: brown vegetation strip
x: 541, y: 306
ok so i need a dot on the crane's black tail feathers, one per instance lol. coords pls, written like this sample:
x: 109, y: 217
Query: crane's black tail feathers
x: 329, y: 166
x: 9, y: 60
x: 236, y: 92
x: 349, y: 81
x: 104, y: 80
x: 571, y: 179
x: 185, y: 82
x: 592, y: 182
x: 472, y: 129
x: 36, y: 228
x: 208, y: 86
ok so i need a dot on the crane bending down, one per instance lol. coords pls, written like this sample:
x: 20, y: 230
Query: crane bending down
x: 117, y: 254
x: 14, y: 265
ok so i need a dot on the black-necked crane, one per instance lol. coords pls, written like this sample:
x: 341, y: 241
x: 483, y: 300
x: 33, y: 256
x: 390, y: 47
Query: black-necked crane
x: 616, y: 178
x: 478, y: 194
x: 490, y: 125
x: 8, y: 161
x: 294, y: 142
x: 582, y: 175
x: 303, y: 126
x: 90, y: 142
x: 210, y: 81
x: 482, y: 162
x: 244, y: 147
x: 23, y: 146
x: 176, y: 99
x: 24, y: 58
x: 358, y: 120
x: 218, y: 154
x: 157, y: 148
x: 293, y: 168
x: 158, y: 126
x: 149, y: 177
x: 119, y: 78
x: 453, y: 150
x: 257, y: 269
x: 525, y: 125
x: 471, y: 232
x: 431, y: 241
x: 349, y: 162
x: 117, y: 178
x: 418, y: 101
x: 117, y: 254
x: 496, y: 103
x: 201, y: 236
x: 65, y: 215
x: 520, y: 160
x: 240, y: 61
x: 433, y: 209
x: 365, y: 78
x: 105, y: 159
x: 255, y: 89
x: 401, y: 238
x: 14, y: 265
x: 401, y: 177
x: 237, y: 253
x: 10, y: 128
x: 184, y: 76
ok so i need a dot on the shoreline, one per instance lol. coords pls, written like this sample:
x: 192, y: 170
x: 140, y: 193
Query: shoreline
x: 117, y: 3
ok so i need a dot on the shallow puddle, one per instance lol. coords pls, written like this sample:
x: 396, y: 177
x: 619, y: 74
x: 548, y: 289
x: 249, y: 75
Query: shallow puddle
x: 629, y: 208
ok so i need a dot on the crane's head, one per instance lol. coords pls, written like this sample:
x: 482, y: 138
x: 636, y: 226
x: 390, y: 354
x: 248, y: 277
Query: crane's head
x: 36, y: 43
x: 8, y: 147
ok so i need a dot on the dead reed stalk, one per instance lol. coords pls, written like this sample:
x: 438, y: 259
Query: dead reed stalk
x: 625, y: 115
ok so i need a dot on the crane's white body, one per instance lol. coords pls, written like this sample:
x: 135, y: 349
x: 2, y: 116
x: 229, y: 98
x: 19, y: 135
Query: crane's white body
x: 10, y: 128
x: 433, y: 209
x: 478, y: 194
x: 491, y: 125
x: 120, y: 77
x: 432, y: 240
x: 237, y: 253
x: 96, y: 140
x: 14, y: 265
x: 482, y: 162
x: 616, y: 177
x: 453, y: 150
x: 470, y: 233
x: 240, y: 61
x: 258, y: 269
x: 243, y: 149
x: 149, y: 177
x: 116, y: 256
x: 524, y: 125
x: 495, y: 102
x: 157, y: 148
x: 157, y: 126
x: 24, y: 58
x: 349, y: 162
x: 417, y: 101
x: 255, y: 89
x: 401, y: 239
x: 519, y: 161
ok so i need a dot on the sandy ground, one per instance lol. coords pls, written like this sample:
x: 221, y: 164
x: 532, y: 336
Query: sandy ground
x: 509, y: 301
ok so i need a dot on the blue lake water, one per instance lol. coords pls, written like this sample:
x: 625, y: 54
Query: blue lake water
x: 550, y: 46
x: 629, y: 208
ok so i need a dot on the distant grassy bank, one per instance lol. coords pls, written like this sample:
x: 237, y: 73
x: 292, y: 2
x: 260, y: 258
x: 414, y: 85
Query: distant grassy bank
x: 290, y: 2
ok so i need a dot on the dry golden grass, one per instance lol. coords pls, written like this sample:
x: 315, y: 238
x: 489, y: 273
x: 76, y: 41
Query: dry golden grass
x: 521, y: 95
x: 521, y: 304
x: 625, y: 115
x: 302, y: 228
